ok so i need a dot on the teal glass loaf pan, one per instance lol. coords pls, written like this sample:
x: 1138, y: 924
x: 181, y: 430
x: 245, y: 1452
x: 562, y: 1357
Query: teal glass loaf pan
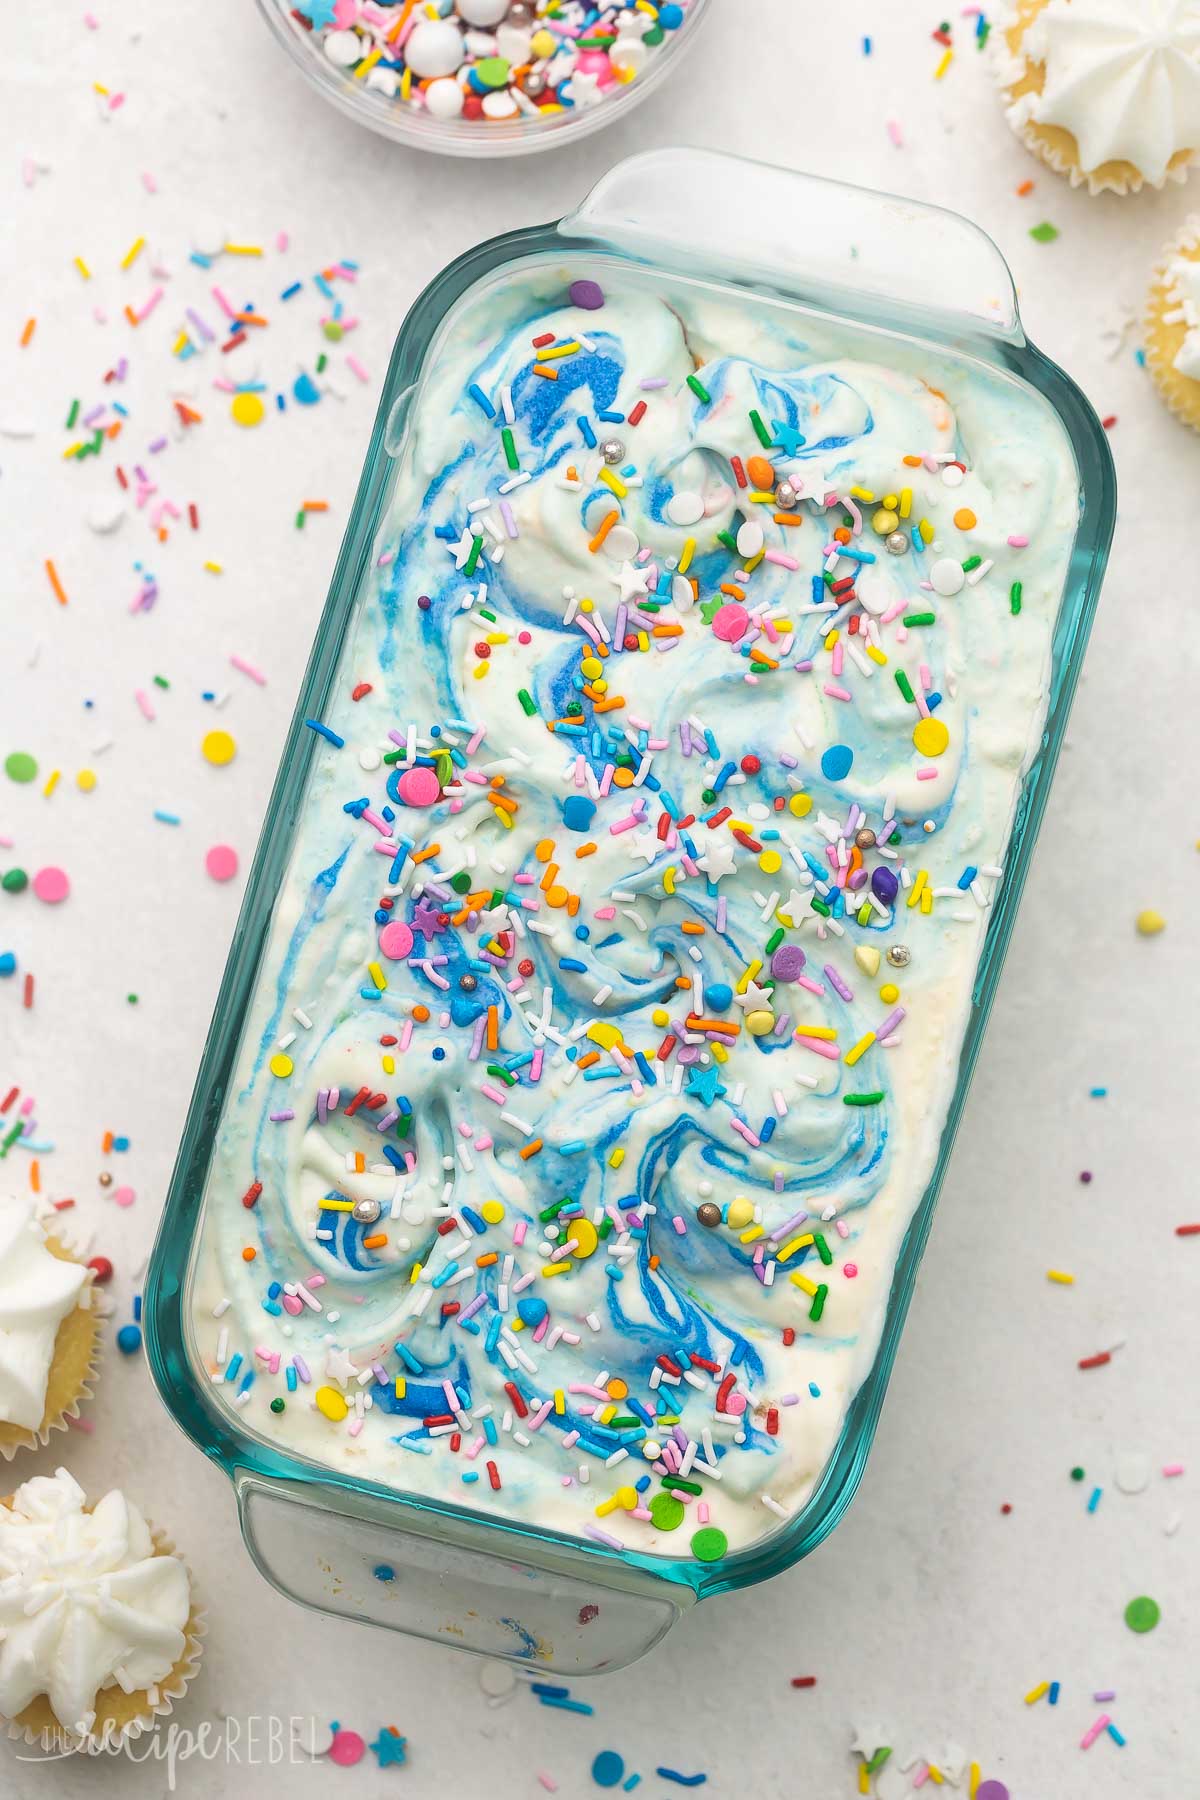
x: 629, y: 909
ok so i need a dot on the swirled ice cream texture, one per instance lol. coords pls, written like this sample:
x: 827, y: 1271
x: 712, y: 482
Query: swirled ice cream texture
x: 624, y: 1341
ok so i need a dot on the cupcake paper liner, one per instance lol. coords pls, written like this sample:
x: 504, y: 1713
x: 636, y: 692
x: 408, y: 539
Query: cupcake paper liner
x: 1163, y: 340
x: 1017, y: 78
x: 121, y: 1717
x: 74, y: 1369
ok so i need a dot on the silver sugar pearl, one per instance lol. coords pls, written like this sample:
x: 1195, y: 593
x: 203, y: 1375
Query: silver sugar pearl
x: 519, y: 13
x: 612, y: 450
x: 786, y: 496
x: 534, y: 83
x: 899, y: 955
x: 896, y: 544
x: 865, y: 838
x: 366, y: 1212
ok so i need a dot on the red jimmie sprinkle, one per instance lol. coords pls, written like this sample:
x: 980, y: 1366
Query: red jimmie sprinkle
x: 719, y: 818
x: 800, y: 1681
x: 723, y: 1392
x: 9, y: 1098
x: 349, y: 1111
x: 27, y: 997
x: 672, y: 1368
x: 251, y: 1194
x: 539, y: 343
x: 447, y: 1225
x: 450, y: 1307
x: 515, y: 1395
x: 743, y: 837
x: 494, y: 1476
x: 637, y: 413
x: 1095, y: 1362
x: 739, y: 471
x: 664, y: 825
x: 789, y: 1334
x: 665, y: 1048
x: 1180, y: 1230
x: 122, y: 477
x: 456, y: 1440
x: 1109, y: 422
x: 358, y: 693
x: 773, y: 1422
x: 702, y: 1362
x: 194, y: 517
x: 438, y: 1419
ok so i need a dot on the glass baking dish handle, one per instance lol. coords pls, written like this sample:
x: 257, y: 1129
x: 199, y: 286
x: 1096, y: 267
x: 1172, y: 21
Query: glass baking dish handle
x: 429, y: 1583
x: 875, y: 256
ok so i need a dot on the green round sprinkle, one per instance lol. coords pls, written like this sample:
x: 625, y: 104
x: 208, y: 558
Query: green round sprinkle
x: 492, y: 71
x: 333, y: 330
x: 707, y: 795
x: 1077, y: 1474
x: 20, y: 766
x: 461, y: 883
x: 277, y: 1405
x: 654, y: 36
x: 132, y: 999
x: 667, y: 1513
x: 1142, y: 1614
x: 14, y: 881
x: 709, y: 1544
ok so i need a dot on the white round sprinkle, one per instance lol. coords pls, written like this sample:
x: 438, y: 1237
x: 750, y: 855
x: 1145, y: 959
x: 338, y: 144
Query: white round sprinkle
x: 749, y: 539
x: 312, y: 1736
x: 496, y: 1679
x: 383, y: 81
x: 444, y: 98
x: 1132, y: 1473
x: 435, y: 48
x: 105, y: 515
x: 874, y: 595
x: 369, y: 759
x: 344, y: 48
x: 499, y: 105
x: 682, y: 593
x: 952, y: 476
x: 685, y: 508
x: 622, y: 543
x: 947, y: 576
x: 629, y: 53
x: 482, y: 12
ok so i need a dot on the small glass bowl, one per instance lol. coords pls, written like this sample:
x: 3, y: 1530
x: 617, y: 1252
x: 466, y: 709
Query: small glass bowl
x: 407, y: 124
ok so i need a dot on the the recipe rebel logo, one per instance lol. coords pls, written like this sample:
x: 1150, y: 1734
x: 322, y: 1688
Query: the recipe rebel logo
x: 256, y: 1740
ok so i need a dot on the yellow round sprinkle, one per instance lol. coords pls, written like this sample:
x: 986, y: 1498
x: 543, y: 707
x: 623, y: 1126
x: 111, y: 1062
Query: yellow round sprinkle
x: 331, y: 1403
x: 584, y: 1233
x: 770, y: 862
x: 885, y: 521
x: 218, y: 748
x: 891, y: 501
x: 85, y: 781
x: 799, y: 805
x: 601, y: 687
x: 740, y: 1213
x: 930, y: 737
x: 543, y: 43
x: 1150, y: 923
x: 889, y: 993
x: 758, y: 1024
x: 247, y: 409
x: 591, y: 666
x: 627, y: 1497
x: 660, y: 1016
x: 586, y: 606
x: 280, y: 1064
x: 491, y: 1212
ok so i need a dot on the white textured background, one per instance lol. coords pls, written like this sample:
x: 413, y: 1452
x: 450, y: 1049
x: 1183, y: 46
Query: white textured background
x: 928, y: 1615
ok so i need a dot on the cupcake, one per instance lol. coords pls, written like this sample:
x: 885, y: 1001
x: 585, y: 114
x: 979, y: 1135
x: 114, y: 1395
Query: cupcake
x: 99, y: 1630
x: 1173, y: 325
x: 1105, y: 91
x: 48, y: 1328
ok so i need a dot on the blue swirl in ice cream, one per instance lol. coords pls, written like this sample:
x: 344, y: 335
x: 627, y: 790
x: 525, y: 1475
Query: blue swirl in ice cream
x: 611, y: 1008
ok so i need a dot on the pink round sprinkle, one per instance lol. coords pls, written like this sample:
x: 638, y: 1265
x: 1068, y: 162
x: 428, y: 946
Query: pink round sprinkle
x: 221, y: 862
x: 51, y: 884
x: 293, y: 1304
x: 730, y: 622
x: 347, y: 1749
x: 124, y: 1196
x: 850, y: 1271
x: 395, y: 940
x: 419, y: 787
x: 1016, y: 542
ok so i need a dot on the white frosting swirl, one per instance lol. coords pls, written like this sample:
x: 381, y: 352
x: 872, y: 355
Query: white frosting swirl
x: 37, y: 1291
x: 85, y: 1603
x: 1122, y: 76
x: 1183, y: 274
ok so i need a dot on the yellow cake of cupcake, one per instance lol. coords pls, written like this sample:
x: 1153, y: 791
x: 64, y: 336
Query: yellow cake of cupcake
x: 47, y: 1330
x: 1173, y: 325
x: 1106, y: 92
x: 99, y: 1629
